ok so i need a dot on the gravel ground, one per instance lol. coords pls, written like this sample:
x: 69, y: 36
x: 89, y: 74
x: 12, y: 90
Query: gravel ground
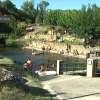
x: 72, y: 87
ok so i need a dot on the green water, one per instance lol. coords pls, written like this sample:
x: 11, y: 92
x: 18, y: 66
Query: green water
x: 16, y: 54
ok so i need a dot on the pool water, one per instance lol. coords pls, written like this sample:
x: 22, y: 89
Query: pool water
x: 16, y: 54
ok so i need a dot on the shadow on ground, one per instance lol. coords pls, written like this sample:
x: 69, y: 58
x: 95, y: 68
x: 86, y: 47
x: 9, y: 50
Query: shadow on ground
x: 22, y: 88
x: 84, y: 95
x: 47, y: 77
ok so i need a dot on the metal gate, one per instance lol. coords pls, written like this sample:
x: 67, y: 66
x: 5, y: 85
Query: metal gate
x: 73, y: 68
x: 97, y: 68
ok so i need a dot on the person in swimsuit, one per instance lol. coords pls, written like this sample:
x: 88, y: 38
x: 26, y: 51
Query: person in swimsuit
x: 25, y: 66
x: 47, y: 68
x: 30, y: 65
x: 43, y: 48
x: 43, y: 68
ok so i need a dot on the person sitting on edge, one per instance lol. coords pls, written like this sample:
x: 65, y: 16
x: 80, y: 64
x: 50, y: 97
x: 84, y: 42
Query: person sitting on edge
x: 23, y: 46
x: 53, y: 65
x: 47, y: 68
x: 49, y: 48
x: 67, y: 51
x: 62, y: 52
x: 33, y: 50
x: 73, y: 52
x: 25, y: 66
x: 76, y: 53
x: 43, y: 48
x: 43, y: 68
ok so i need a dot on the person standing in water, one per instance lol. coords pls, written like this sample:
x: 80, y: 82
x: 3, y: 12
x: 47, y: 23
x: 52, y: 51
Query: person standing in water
x: 25, y: 66
x: 30, y: 65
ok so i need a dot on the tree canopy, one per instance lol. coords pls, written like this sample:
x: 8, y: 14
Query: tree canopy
x: 84, y: 22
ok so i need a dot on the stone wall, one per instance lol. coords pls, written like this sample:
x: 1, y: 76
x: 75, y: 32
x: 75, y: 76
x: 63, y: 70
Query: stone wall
x: 59, y: 47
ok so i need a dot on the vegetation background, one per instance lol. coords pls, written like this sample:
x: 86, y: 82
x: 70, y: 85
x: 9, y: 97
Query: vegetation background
x: 84, y: 22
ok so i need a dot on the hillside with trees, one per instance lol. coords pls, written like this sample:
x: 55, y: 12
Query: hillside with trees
x: 28, y: 14
x: 83, y: 23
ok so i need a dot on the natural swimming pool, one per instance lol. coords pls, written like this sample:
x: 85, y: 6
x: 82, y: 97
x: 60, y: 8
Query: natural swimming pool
x: 16, y: 54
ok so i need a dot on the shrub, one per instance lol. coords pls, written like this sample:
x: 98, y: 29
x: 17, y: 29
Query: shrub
x: 22, y: 25
x: 16, y: 33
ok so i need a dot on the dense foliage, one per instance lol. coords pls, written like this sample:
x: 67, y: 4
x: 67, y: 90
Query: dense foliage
x: 28, y: 14
x: 83, y: 22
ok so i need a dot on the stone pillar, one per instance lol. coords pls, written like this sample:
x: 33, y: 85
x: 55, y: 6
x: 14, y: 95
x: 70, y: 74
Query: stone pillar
x: 90, y: 67
x: 58, y: 66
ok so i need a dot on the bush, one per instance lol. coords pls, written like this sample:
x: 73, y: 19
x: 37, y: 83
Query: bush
x: 16, y: 33
x: 22, y: 25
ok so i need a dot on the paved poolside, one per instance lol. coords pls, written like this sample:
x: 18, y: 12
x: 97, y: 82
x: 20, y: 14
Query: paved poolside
x: 69, y: 87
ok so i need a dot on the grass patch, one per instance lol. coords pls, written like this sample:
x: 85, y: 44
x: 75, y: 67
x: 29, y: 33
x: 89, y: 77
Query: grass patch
x: 70, y: 42
x: 8, y: 64
x: 13, y: 43
x: 17, y: 43
x: 31, y: 39
x: 15, y: 90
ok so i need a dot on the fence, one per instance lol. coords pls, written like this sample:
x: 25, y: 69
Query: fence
x: 73, y: 68
x: 97, y: 68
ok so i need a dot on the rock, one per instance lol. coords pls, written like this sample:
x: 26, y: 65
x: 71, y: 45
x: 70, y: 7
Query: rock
x: 8, y: 75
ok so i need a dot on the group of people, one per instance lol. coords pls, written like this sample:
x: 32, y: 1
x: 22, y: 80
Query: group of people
x: 46, y: 68
x: 75, y: 52
x: 47, y: 48
x: 62, y: 52
x: 28, y: 66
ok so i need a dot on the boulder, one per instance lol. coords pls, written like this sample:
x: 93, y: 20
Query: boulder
x: 8, y: 75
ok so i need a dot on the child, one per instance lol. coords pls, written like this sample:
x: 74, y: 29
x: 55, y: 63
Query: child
x: 47, y: 68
